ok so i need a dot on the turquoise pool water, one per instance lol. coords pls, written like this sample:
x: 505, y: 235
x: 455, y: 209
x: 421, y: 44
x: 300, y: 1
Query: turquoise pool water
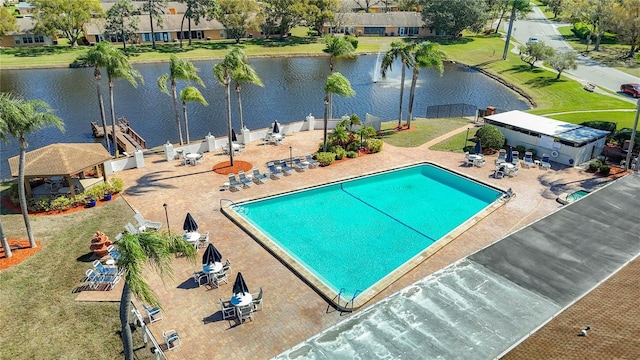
x: 576, y: 195
x: 352, y: 234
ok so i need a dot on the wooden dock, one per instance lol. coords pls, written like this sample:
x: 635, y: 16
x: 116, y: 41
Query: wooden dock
x: 127, y: 139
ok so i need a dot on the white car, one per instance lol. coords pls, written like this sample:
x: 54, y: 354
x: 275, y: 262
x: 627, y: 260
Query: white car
x: 532, y: 39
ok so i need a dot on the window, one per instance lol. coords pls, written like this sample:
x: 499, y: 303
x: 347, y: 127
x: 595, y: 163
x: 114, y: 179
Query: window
x: 27, y: 39
x: 39, y: 39
x: 374, y: 31
x: 146, y: 37
x: 16, y: 39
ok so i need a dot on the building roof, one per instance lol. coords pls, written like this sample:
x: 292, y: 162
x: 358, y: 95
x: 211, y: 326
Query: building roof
x: 25, y: 26
x: 404, y: 18
x: 541, y: 125
x: 170, y: 23
x: 180, y: 8
x: 61, y: 159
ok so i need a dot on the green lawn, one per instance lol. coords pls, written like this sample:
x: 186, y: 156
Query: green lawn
x: 426, y: 130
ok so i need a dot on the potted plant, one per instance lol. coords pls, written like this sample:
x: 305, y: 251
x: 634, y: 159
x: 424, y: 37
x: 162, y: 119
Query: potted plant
x: 108, y: 191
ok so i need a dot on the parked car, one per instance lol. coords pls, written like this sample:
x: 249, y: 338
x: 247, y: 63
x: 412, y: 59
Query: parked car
x: 532, y: 39
x: 631, y: 89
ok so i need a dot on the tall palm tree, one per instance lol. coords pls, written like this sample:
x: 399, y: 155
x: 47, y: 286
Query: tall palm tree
x: 339, y: 85
x: 3, y: 236
x: 244, y: 74
x: 402, y: 50
x: 425, y: 55
x: 178, y: 70
x: 20, y: 118
x: 139, y: 250
x: 98, y: 76
x: 337, y: 47
x: 118, y: 67
x: 223, y: 72
x: 190, y: 94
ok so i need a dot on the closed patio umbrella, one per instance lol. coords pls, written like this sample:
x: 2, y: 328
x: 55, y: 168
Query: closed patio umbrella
x: 509, y: 158
x: 276, y: 127
x: 211, y: 255
x: 234, y: 137
x: 478, y: 147
x: 239, y: 286
x: 190, y: 225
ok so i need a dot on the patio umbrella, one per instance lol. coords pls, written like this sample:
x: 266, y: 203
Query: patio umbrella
x: 509, y: 158
x: 276, y: 128
x: 211, y: 255
x: 478, y: 148
x: 190, y: 225
x: 239, y: 286
x: 234, y: 137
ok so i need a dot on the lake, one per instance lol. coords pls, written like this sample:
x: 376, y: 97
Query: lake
x: 292, y: 89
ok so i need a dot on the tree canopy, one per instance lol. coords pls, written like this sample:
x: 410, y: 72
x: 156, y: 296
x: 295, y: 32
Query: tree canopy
x: 239, y: 16
x: 121, y: 22
x: 452, y: 16
x: 535, y: 51
x: 65, y: 17
x: 7, y: 21
x: 280, y: 16
x: 196, y: 11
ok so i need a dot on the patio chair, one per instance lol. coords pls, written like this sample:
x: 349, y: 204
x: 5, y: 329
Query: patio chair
x: 153, y: 313
x: 544, y: 163
x: 299, y: 165
x: 478, y: 162
x: 257, y: 301
x: 227, y: 309
x: 234, y: 183
x: 266, y: 140
x: 312, y: 162
x: 275, y: 173
x: 528, y: 160
x: 246, y: 182
x: 286, y: 169
x: 244, y: 312
x: 104, y: 270
x: 200, y: 158
x: 502, y: 156
x: 227, y: 266
x: 115, y: 255
x: 148, y: 224
x: 203, y: 241
x: 200, y: 278
x: 499, y: 172
x: 516, y: 158
x: 259, y: 178
x: 511, y: 172
x: 220, y: 276
x: 171, y: 339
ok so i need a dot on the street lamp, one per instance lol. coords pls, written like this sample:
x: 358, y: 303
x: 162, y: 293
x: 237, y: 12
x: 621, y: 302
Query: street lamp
x: 466, y: 139
x: 633, y: 137
x: 290, y: 157
x: 166, y: 215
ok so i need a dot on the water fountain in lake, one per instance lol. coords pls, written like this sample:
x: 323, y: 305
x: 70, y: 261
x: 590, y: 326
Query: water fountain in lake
x: 376, y: 67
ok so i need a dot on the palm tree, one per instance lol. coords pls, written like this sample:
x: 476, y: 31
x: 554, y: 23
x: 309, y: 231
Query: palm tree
x: 337, y: 47
x: 223, y: 71
x: 178, y: 70
x: 138, y: 250
x: 118, y: 67
x: 244, y: 74
x: 3, y: 236
x: 339, y: 85
x: 98, y: 76
x: 425, y: 55
x: 402, y: 50
x: 190, y: 94
x: 20, y: 118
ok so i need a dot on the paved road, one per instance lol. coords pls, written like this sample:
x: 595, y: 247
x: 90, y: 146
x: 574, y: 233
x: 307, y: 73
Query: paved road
x: 588, y: 70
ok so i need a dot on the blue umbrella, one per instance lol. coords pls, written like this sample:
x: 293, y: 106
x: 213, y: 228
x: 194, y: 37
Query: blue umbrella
x: 509, y: 158
x: 234, y: 137
x: 190, y: 225
x: 211, y: 255
x: 276, y: 128
x: 478, y: 147
x: 239, y: 286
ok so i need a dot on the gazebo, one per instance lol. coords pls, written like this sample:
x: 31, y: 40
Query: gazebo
x: 62, y: 167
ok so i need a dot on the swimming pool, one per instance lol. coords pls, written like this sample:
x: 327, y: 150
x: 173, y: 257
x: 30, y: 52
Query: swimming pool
x: 356, y: 237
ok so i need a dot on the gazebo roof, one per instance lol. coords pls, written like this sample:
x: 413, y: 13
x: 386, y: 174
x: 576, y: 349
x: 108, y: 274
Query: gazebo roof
x: 61, y: 159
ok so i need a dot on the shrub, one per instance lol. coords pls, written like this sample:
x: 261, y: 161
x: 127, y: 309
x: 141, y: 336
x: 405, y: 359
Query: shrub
x: 352, y: 154
x: 117, y: 185
x: 605, y: 170
x: 353, y: 146
x: 374, y: 145
x: 594, y: 165
x: 313, y: 33
x: 13, y: 193
x: 491, y: 137
x: 521, y: 149
x: 339, y: 151
x: 353, y: 40
x: 42, y: 204
x: 61, y: 203
x: 325, y: 158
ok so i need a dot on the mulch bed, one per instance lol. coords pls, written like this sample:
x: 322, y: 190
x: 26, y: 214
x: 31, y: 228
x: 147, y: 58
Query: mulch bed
x: 404, y: 128
x: 225, y: 168
x: 12, y: 208
x: 20, y: 250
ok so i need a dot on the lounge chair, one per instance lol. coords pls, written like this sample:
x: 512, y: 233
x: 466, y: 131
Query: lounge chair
x: 246, y: 182
x: 95, y: 280
x: 259, y: 178
x: 130, y: 228
x: 286, y: 169
x: 528, y: 160
x: 516, y: 157
x: 105, y: 270
x: 502, y: 156
x: 299, y: 165
x: 312, y: 162
x: 148, y: 224
x: 257, y: 301
x: 275, y: 173
x: 227, y: 309
x: 544, y: 163
x: 268, y: 138
x: 153, y: 313
x: 115, y: 255
x: 234, y: 183
x: 171, y: 339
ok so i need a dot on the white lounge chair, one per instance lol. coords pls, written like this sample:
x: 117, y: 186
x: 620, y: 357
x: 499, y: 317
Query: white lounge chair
x: 527, y: 161
x: 130, y: 228
x: 299, y: 165
x: 275, y: 173
x: 148, y: 224
x: 502, y: 156
x: 95, y: 280
x: 246, y: 182
x: 312, y: 162
x: 544, y: 163
x: 259, y: 178
x: 234, y: 183
x: 105, y: 270
x: 286, y: 169
x: 516, y: 157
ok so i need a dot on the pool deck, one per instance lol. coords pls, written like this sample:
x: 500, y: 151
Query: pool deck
x: 292, y: 310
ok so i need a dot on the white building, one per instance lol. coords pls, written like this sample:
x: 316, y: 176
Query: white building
x: 565, y: 143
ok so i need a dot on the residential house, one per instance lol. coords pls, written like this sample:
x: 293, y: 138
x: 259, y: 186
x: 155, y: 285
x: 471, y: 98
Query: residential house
x: 25, y: 35
x: 379, y: 24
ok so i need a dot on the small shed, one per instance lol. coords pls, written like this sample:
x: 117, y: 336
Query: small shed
x: 70, y: 163
x: 565, y: 143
